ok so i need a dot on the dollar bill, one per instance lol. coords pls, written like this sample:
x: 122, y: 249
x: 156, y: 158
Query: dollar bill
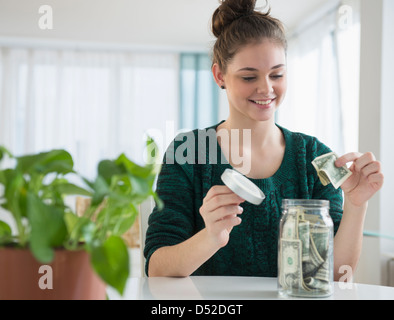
x: 316, y: 284
x: 316, y: 264
x: 328, y: 172
x: 304, y: 234
x: 291, y: 268
x: 289, y: 228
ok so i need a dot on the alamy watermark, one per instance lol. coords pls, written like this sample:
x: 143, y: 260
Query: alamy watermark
x: 346, y: 281
x: 345, y: 17
x: 45, y: 21
x: 202, y: 147
x: 46, y: 280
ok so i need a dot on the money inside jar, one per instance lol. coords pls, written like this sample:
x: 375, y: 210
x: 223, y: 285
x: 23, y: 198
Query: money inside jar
x: 305, y: 253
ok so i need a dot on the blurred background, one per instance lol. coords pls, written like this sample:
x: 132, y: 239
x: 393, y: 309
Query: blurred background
x: 96, y: 76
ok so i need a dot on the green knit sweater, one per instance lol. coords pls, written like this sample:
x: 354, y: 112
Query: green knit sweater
x: 192, y: 165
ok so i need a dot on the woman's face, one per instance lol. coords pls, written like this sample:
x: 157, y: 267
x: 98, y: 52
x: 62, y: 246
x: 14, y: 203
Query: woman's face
x: 256, y: 81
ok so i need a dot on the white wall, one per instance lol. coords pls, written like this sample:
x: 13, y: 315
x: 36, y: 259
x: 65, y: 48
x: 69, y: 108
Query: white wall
x: 158, y: 23
x: 154, y: 22
x: 376, y: 118
x: 387, y: 142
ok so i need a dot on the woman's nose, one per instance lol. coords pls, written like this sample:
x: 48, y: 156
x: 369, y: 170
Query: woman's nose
x: 265, y: 87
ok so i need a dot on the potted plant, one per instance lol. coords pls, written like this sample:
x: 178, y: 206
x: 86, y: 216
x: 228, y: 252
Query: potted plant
x: 51, y: 237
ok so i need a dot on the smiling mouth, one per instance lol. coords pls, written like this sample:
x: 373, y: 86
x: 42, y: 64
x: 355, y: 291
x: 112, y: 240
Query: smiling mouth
x: 262, y: 103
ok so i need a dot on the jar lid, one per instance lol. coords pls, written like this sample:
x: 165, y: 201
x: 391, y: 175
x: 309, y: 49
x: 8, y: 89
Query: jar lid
x: 243, y: 187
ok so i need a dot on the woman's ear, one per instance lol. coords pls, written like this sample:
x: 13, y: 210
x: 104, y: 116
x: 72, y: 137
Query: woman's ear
x: 218, y: 76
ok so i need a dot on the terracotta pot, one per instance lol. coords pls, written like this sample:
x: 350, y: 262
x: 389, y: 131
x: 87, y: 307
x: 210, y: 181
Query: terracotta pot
x: 69, y: 277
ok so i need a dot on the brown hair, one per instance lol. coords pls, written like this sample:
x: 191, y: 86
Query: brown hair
x: 236, y: 23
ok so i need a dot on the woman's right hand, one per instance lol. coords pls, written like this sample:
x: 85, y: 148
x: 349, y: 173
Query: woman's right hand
x: 220, y: 212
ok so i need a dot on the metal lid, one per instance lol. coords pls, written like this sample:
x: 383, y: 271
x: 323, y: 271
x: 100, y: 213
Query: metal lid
x: 243, y: 187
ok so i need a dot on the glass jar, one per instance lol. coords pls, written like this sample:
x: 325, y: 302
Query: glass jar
x: 305, y: 249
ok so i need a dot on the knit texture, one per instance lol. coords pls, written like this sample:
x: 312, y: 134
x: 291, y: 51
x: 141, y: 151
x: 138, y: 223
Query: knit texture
x: 190, y: 169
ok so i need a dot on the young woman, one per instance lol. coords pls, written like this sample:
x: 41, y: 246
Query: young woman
x: 206, y: 229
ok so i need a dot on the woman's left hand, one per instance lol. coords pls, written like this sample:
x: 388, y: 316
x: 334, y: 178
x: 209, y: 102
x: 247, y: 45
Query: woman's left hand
x: 366, y: 180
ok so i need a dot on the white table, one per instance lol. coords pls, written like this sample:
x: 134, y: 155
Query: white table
x: 232, y: 288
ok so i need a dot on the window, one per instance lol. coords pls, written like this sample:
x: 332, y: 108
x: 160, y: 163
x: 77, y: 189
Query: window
x: 199, y: 94
x: 94, y: 105
x: 323, y: 77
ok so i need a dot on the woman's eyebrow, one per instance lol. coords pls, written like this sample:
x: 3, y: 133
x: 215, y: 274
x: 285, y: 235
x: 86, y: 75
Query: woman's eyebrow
x: 278, y: 66
x: 247, y: 69
x: 254, y: 69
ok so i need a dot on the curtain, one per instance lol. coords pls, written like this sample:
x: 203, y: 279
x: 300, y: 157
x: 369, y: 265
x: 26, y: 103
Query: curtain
x: 199, y: 94
x: 95, y: 105
x: 322, y: 97
x: 347, y: 37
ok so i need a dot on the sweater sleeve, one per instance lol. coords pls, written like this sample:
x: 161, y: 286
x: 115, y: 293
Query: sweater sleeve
x: 175, y: 222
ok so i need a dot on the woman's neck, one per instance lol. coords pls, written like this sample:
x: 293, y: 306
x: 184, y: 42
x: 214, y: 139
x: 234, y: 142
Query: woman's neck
x: 261, y: 133
x: 255, y: 149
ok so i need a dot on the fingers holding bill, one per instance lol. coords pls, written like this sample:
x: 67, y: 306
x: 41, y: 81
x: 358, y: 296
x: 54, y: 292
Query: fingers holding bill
x: 367, y: 175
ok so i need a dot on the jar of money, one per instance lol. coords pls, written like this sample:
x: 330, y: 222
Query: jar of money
x: 306, y: 241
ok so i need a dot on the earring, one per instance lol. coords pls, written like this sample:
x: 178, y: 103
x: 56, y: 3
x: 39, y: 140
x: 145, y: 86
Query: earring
x: 223, y: 87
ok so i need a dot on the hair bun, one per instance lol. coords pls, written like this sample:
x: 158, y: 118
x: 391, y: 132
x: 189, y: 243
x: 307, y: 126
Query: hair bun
x: 229, y: 11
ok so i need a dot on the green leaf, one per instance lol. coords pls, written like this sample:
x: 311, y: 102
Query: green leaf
x: 107, y: 169
x: 4, y: 151
x: 158, y: 201
x: 59, y: 161
x: 101, y: 190
x: 80, y: 229
x: 132, y: 168
x: 153, y: 156
x: 117, y: 219
x: 71, y: 189
x: 111, y: 262
x: 48, y: 229
x: 71, y: 220
x: 88, y: 230
x: 15, y: 193
x: 5, y: 229
x: 88, y: 183
x: 5, y: 232
x: 124, y: 223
